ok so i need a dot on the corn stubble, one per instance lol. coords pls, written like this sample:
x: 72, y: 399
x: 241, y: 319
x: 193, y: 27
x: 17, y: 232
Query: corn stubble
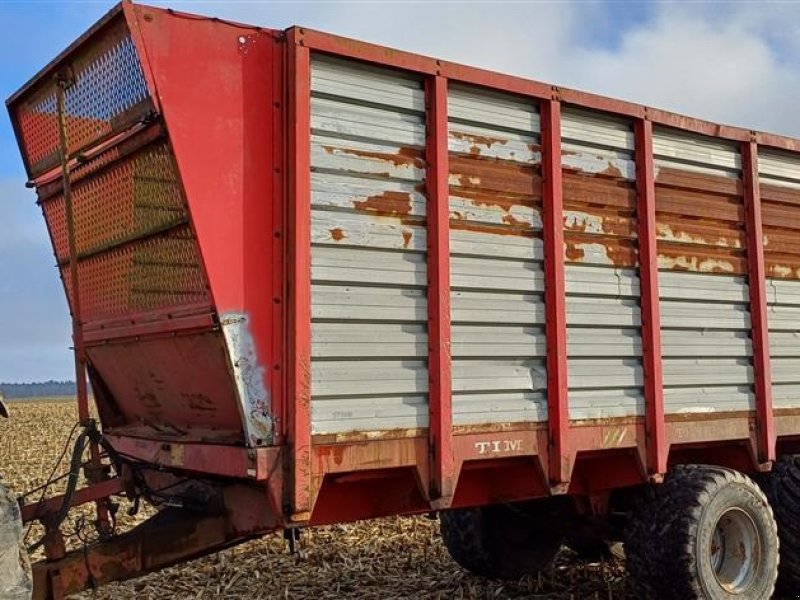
x: 383, y: 559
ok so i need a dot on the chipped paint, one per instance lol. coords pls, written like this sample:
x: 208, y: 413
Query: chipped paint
x: 391, y: 203
x: 695, y: 263
x: 249, y: 374
x: 588, y: 253
x: 593, y: 164
x: 337, y: 234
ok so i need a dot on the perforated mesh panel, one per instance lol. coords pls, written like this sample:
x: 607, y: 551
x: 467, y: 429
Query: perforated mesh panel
x: 109, y: 92
x: 133, y: 197
x: 137, y: 251
x: 157, y: 272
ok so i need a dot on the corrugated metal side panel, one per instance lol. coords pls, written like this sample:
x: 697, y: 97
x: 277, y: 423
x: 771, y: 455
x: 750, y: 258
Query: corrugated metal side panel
x: 368, y: 296
x: 496, y: 276
x: 779, y: 176
x: 604, y: 347
x: 705, y: 318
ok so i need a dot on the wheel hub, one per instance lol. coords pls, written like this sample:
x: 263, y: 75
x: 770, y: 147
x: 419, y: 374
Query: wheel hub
x: 735, y: 551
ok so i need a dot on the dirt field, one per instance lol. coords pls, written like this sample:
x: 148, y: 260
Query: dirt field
x: 382, y: 559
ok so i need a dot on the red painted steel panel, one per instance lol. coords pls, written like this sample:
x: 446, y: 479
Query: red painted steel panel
x: 758, y: 303
x: 555, y: 294
x: 439, y: 363
x: 299, y: 271
x: 657, y: 450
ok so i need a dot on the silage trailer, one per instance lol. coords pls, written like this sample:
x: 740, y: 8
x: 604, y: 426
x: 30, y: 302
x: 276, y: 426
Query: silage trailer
x: 315, y: 280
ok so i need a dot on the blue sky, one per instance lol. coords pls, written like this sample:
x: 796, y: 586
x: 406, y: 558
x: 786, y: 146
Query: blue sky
x: 735, y: 62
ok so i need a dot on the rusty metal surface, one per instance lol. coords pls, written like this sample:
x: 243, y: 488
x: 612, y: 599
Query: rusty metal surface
x: 704, y: 293
x: 169, y: 537
x: 600, y: 229
x: 497, y: 279
x: 171, y: 384
x: 368, y: 255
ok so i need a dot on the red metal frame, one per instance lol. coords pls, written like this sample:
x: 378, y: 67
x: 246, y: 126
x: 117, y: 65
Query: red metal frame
x: 299, y: 270
x: 758, y: 304
x: 657, y: 450
x: 439, y: 363
x: 560, y: 460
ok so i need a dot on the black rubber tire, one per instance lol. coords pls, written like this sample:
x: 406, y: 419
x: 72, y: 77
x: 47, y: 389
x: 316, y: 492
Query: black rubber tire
x: 502, y: 541
x: 669, y: 537
x: 782, y: 487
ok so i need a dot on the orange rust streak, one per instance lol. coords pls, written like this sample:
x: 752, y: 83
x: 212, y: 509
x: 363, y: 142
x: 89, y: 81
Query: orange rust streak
x: 700, y: 182
x: 780, y: 215
x: 685, y: 203
x: 583, y: 248
x: 390, y: 203
x: 481, y: 140
x: 777, y: 193
x: 492, y: 199
x: 782, y: 266
x: 461, y: 225
x: 781, y: 241
x: 406, y: 238
x: 672, y: 229
x: 611, y: 222
x: 583, y: 189
x: 496, y: 175
x: 338, y: 234
x: 687, y: 257
x: 405, y: 156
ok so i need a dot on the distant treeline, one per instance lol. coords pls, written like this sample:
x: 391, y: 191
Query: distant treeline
x: 37, y: 390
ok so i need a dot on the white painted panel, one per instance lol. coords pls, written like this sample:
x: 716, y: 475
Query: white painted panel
x: 363, y: 83
x: 682, y: 400
x: 605, y: 404
x: 485, y: 307
x: 499, y: 407
x: 334, y: 415
x: 369, y: 341
x: 496, y: 274
x: 493, y: 375
x: 492, y: 109
x: 604, y: 345
x: 368, y: 377
x: 357, y: 303
x: 705, y: 342
x: 485, y: 244
x: 350, y: 229
x: 681, y: 149
x: 471, y: 341
x: 779, y: 168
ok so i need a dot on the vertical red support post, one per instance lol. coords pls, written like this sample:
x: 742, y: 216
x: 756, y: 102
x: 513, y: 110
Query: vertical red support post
x: 439, y: 360
x: 657, y: 449
x: 560, y: 461
x: 299, y: 272
x: 757, y: 281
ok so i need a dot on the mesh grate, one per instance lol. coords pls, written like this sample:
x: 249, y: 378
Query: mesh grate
x: 152, y: 273
x: 137, y: 251
x: 137, y: 196
x: 109, y: 92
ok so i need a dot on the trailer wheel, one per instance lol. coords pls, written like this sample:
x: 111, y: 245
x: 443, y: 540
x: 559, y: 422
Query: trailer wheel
x: 782, y: 487
x: 708, y: 532
x: 502, y: 541
x: 15, y: 568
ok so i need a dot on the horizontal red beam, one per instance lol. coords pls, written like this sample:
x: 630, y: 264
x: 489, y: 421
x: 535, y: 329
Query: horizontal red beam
x: 210, y: 459
x: 425, y: 65
x: 95, y: 491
